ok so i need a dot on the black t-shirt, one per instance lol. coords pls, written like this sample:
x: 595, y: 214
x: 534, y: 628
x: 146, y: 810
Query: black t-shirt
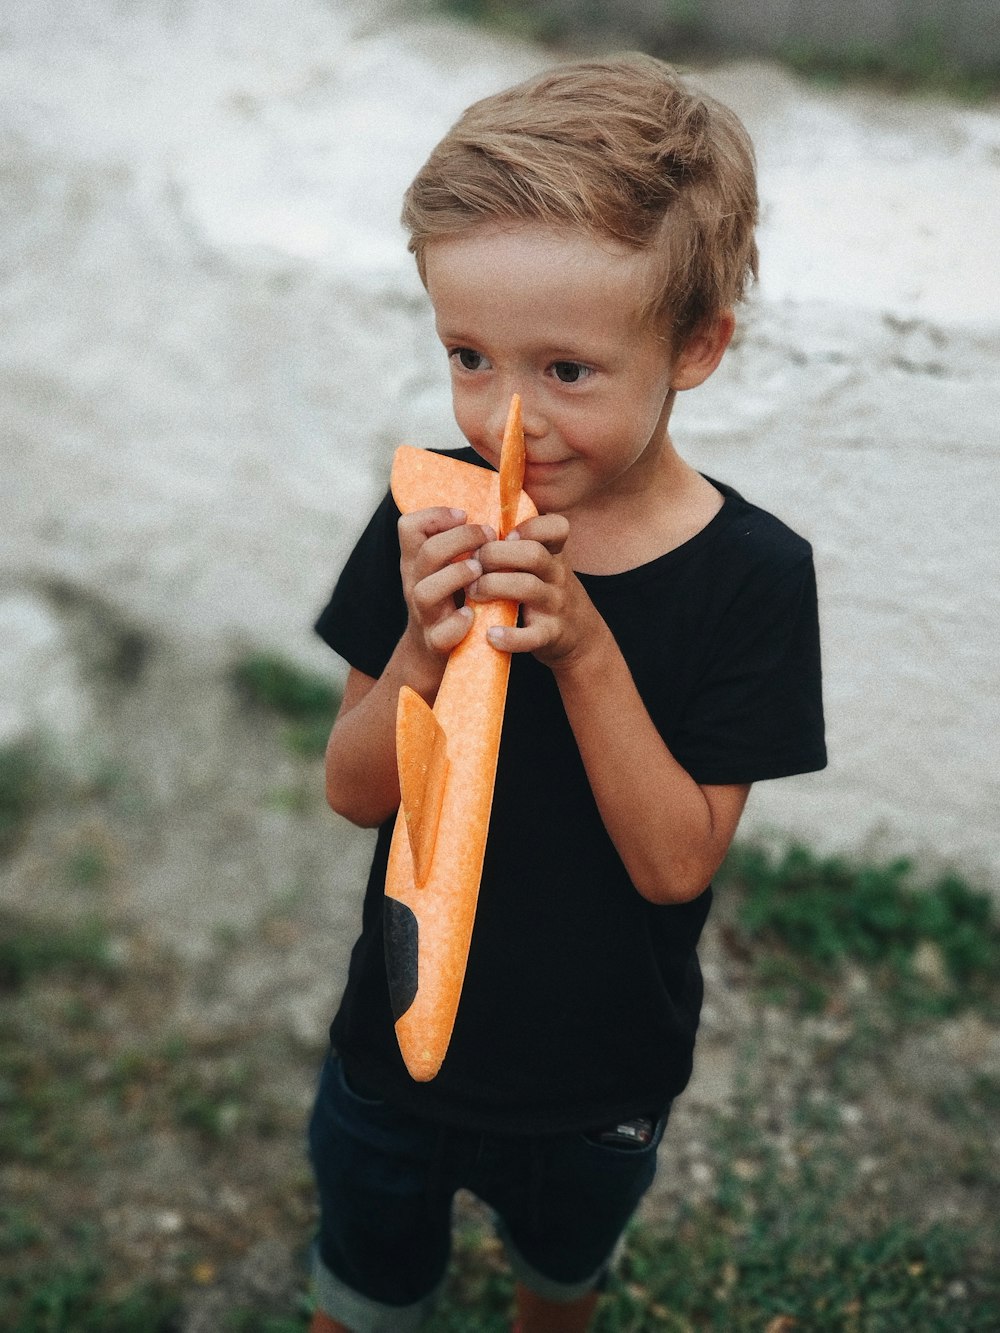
x: 581, y: 999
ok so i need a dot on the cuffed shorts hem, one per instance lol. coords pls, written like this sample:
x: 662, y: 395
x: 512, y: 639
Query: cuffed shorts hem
x: 360, y: 1313
x: 545, y: 1287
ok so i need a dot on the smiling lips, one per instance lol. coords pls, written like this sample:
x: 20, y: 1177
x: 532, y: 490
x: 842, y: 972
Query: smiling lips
x: 544, y: 466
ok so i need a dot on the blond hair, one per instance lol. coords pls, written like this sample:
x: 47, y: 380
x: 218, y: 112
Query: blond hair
x: 621, y: 148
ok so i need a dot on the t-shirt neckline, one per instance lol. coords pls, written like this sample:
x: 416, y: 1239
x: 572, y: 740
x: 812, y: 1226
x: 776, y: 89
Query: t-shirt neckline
x: 730, y: 498
x: 676, y: 554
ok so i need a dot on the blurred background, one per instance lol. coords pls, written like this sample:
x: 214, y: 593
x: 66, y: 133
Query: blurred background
x: 213, y: 341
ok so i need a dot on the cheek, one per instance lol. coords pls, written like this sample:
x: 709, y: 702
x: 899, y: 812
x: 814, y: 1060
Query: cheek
x: 646, y: 417
x: 466, y: 415
x: 617, y: 440
x: 610, y: 438
x: 475, y: 417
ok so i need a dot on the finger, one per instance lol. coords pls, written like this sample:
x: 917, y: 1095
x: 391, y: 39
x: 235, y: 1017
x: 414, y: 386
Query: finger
x: 517, y: 554
x: 414, y: 528
x: 507, y: 586
x: 442, y: 548
x: 519, y: 638
x: 442, y: 585
x: 449, y: 632
x: 549, y: 530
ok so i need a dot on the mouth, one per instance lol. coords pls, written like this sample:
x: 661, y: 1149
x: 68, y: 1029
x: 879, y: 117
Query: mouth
x: 541, y: 470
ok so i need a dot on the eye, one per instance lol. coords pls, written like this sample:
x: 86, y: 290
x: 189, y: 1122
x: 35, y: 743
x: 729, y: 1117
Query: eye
x: 570, y: 372
x: 468, y: 358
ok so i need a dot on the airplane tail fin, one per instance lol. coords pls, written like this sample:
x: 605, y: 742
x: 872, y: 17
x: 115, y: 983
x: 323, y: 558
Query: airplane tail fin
x: 422, y: 759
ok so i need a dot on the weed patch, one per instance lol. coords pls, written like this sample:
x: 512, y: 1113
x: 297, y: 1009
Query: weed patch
x: 920, y: 63
x: 480, y: 1289
x: 307, y: 702
x: 74, y: 1299
x: 29, y: 948
x: 532, y: 22
x: 778, y: 1246
x: 177, y: 1128
x: 22, y: 787
x: 930, y: 950
x: 251, y: 1321
x: 723, y: 1270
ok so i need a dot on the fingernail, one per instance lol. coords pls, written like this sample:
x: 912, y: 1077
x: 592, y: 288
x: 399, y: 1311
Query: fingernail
x: 475, y: 566
x: 465, y: 612
x: 513, y: 536
x: 495, y: 637
x: 458, y: 513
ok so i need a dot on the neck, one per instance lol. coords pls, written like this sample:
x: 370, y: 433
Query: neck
x: 645, y: 517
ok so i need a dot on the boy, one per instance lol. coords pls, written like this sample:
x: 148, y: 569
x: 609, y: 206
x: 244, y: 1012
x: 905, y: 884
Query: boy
x: 583, y: 239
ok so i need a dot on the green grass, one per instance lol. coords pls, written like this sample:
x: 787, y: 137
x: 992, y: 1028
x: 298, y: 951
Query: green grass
x: 91, y: 1068
x: 972, y: 1105
x: 39, y: 1097
x: 88, y: 868
x: 788, y: 1234
x: 720, y: 1270
x: 791, y: 1232
x: 929, y: 950
x: 215, y: 1105
x: 210, y: 1093
x: 775, y: 1242
x: 530, y: 22
x: 252, y: 1321
x: 22, y: 788
x: 480, y: 1290
x: 307, y: 702
x: 73, y: 1299
x: 33, y: 947
x: 921, y: 63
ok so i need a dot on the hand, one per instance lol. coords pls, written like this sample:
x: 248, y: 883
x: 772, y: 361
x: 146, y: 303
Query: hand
x: 437, y: 562
x: 558, y: 621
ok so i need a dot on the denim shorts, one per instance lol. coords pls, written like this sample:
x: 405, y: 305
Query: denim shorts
x: 386, y: 1181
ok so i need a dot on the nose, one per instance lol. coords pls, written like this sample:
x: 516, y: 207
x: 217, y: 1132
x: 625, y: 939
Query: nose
x: 532, y: 417
x: 531, y: 414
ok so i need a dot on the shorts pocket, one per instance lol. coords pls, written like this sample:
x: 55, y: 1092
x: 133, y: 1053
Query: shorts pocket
x: 637, y: 1136
x: 355, y: 1091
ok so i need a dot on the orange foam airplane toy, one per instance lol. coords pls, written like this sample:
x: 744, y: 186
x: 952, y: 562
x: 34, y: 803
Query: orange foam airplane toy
x: 447, y: 759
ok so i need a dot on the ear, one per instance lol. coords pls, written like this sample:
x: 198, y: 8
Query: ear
x: 703, y: 351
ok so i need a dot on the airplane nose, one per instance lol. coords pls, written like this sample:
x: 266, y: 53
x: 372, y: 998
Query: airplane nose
x: 531, y: 417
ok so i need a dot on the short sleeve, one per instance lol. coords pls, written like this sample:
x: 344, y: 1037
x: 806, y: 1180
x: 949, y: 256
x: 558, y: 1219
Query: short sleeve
x: 757, y: 712
x: 366, y: 615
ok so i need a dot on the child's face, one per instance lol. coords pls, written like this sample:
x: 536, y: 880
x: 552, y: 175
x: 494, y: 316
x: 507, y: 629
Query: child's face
x: 553, y: 315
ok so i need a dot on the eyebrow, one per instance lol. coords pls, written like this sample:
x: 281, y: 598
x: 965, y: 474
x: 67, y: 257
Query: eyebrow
x: 545, y: 350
